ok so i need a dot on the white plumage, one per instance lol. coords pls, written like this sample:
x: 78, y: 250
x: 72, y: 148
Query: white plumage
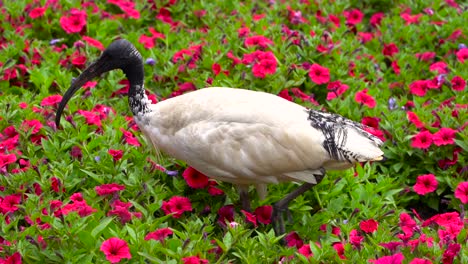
x: 238, y: 136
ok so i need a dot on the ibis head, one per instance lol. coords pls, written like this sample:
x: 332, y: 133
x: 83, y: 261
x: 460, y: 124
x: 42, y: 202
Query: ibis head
x: 120, y: 54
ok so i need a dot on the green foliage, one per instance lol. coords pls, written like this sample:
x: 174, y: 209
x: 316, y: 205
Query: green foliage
x: 380, y: 191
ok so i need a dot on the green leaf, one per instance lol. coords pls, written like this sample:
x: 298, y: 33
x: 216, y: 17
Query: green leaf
x: 99, y: 228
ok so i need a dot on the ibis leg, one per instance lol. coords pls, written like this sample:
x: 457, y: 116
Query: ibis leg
x: 281, y: 207
x: 244, y: 197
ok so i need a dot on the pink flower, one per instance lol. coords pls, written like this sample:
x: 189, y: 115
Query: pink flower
x: 339, y: 248
x: 353, y: 17
x: 461, y: 192
x: 9, y: 203
x: 458, y: 83
x: 6, y: 159
x: 462, y: 55
x: 176, y: 206
x: 422, y: 140
x: 336, y: 89
x: 425, y: 184
x: 376, y: 19
x: 115, y: 249
x: 305, y: 251
x: 440, y: 67
x: 393, y: 259
x: 369, y: 226
x: 106, y: 189
x: 37, y: 12
x: 194, y: 178
x: 93, y: 42
x: 52, y: 100
x: 445, y: 136
x: 419, y: 87
x: 264, y: 67
x: 355, y: 238
x: 159, y: 234
x: 194, y: 260
x: 413, y: 118
x: 259, y: 41
x: 363, y: 98
x: 75, y: 22
x: 319, y: 74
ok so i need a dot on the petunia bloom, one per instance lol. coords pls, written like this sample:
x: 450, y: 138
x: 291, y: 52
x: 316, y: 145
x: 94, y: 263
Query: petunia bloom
x: 445, y: 136
x: 319, y: 74
x: 458, y: 83
x: 369, y: 226
x: 422, y: 140
x: 194, y: 260
x: 263, y: 214
x: 393, y: 259
x: 425, y: 184
x: 115, y: 249
x: 363, y: 98
x: 159, y: 234
x: 106, y: 189
x: 461, y: 192
x: 75, y: 22
x: 194, y: 178
x: 176, y: 206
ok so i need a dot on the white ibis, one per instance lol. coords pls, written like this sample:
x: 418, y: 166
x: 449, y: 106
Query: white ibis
x: 238, y: 136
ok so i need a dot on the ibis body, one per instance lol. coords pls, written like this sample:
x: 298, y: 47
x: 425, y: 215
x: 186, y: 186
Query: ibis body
x: 238, y: 136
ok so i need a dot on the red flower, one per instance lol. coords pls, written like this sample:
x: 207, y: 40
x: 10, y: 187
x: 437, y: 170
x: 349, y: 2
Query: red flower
x: 93, y: 42
x: 410, y: 19
x: 259, y: 41
x: 116, y: 154
x: 425, y: 184
x: 339, y: 248
x: 390, y: 49
x: 37, y: 12
x: 13, y: 259
x: 194, y: 178
x: 194, y: 260
x: 212, y: 190
x: 336, y: 89
x: 355, y: 239
x: 376, y: 19
x: 176, y: 206
x: 445, y: 136
x: 293, y: 240
x: 369, y: 226
x: 7, y: 159
x: 130, y: 138
x: 393, y: 259
x: 33, y: 125
x: 10, y: 203
x: 458, y: 83
x: 91, y: 117
x: 250, y: 217
x: 450, y: 253
x: 363, y: 98
x: 160, y: 234
x: 422, y: 140
x: 81, y: 207
x: 305, y: 251
x: 226, y: 214
x: 413, y: 118
x: 425, y: 56
x: 75, y: 22
x: 353, y: 17
x: 462, y: 55
x: 56, y: 185
x: 319, y: 74
x: 263, y: 214
x: 419, y: 87
x: 392, y: 246
x: 106, y: 189
x: 115, y: 249
x: 420, y: 261
x: 461, y: 192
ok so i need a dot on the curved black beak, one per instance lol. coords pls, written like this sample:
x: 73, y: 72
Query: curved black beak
x: 93, y: 70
